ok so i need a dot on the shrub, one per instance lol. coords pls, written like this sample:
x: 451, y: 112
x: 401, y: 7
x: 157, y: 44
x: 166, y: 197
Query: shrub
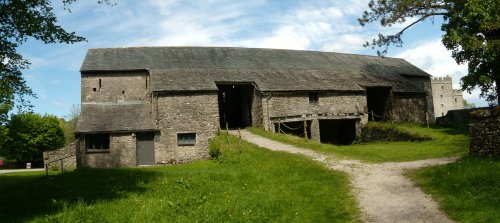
x: 224, y: 147
x: 375, y: 132
x: 214, y: 151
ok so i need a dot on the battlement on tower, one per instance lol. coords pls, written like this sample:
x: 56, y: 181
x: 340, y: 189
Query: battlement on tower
x: 441, y: 79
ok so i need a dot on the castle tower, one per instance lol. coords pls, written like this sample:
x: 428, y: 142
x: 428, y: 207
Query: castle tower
x: 445, y: 97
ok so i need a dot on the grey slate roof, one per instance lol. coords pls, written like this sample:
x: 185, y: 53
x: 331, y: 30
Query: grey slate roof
x: 111, y: 117
x: 199, y: 68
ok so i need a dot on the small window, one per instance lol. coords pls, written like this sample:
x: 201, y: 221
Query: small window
x: 100, y: 84
x: 442, y: 105
x: 441, y: 96
x: 97, y: 141
x: 442, y: 87
x: 123, y: 92
x: 455, y: 100
x: 94, y: 89
x: 313, y: 98
x: 186, y: 139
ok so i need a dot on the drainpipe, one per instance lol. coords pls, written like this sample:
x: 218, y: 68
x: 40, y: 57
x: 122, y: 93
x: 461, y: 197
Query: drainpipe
x: 267, y: 108
x: 156, y: 112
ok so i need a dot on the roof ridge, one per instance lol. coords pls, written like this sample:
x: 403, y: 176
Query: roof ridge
x: 235, y: 47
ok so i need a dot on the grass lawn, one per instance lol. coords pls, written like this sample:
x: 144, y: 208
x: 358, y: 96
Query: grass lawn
x: 247, y: 184
x: 467, y: 190
x: 446, y: 142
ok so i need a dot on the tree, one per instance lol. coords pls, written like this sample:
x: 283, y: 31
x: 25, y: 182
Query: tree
x: 19, y: 21
x: 68, y: 124
x: 468, y: 105
x: 472, y: 33
x: 29, y: 135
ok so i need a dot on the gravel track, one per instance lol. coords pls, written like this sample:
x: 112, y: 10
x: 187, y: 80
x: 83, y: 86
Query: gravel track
x: 382, y: 192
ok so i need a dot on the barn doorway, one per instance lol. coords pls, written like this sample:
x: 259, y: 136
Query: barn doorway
x: 145, y: 149
x: 377, y: 100
x: 235, y: 104
x: 337, y: 131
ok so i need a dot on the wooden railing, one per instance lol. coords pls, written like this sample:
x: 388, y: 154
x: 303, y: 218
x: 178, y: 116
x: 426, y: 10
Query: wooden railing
x: 54, y: 161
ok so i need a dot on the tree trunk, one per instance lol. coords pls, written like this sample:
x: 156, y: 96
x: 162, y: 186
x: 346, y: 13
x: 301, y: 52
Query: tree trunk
x: 497, y: 84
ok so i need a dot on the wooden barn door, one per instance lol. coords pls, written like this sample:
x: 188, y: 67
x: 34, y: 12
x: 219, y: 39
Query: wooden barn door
x: 145, y: 149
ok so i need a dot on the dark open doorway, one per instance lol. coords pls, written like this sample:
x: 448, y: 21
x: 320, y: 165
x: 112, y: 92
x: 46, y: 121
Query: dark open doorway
x: 338, y: 131
x: 294, y: 128
x: 235, y: 104
x: 377, y: 99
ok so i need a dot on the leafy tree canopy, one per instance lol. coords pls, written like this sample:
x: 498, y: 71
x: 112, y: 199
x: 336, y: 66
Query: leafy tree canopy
x: 19, y: 21
x: 29, y: 135
x: 468, y: 105
x: 472, y: 33
x: 68, y: 124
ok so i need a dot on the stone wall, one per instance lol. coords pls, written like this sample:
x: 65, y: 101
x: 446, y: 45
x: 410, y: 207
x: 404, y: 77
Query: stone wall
x: 454, y: 117
x: 257, y: 111
x: 115, y: 87
x: 410, y: 108
x: 485, y: 132
x: 185, y: 113
x: 67, y: 154
x: 297, y: 104
x: 121, y: 152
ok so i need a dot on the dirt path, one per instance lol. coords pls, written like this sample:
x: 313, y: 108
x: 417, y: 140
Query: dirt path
x: 383, y: 193
x: 20, y: 170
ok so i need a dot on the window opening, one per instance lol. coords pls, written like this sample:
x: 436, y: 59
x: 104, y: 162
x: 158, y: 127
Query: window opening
x: 97, y: 141
x: 123, y: 92
x: 186, y: 139
x: 313, y: 98
x: 94, y: 89
x: 100, y: 84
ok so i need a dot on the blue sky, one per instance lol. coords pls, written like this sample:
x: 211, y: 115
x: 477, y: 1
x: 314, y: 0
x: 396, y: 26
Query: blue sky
x: 284, y: 24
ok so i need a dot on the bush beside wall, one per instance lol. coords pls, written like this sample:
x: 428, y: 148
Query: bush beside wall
x: 374, y: 132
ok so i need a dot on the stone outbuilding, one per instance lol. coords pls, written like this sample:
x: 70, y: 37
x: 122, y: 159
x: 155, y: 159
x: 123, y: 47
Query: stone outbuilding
x: 159, y: 105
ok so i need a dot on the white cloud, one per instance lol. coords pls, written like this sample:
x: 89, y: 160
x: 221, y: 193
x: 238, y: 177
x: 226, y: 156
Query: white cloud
x: 325, y: 26
x: 286, y: 37
x: 345, y: 43
x: 432, y: 57
x: 435, y: 59
x: 196, y: 23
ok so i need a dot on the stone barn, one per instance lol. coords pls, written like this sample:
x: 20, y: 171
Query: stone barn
x: 157, y: 105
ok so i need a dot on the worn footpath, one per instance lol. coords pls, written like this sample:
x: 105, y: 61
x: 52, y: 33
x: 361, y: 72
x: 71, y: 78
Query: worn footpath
x: 383, y: 193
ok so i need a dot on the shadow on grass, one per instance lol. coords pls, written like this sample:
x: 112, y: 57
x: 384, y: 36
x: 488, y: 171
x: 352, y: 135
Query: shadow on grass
x: 453, y: 130
x: 24, y: 197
